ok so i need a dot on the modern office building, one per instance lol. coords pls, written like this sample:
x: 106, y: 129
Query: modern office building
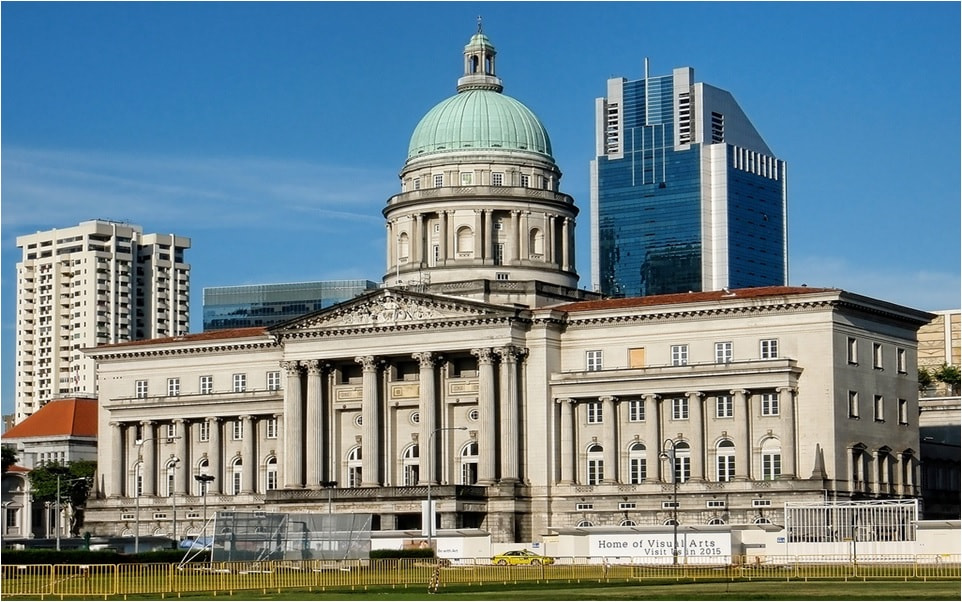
x: 479, y: 376
x: 685, y: 194
x: 95, y: 283
x: 269, y: 304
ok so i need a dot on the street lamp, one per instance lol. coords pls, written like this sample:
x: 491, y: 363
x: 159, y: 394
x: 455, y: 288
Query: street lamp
x: 204, y: 480
x: 138, y: 486
x: 57, y: 525
x: 172, y: 490
x: 329, y: 485
x: 430, y: 465
x: 668, y: 453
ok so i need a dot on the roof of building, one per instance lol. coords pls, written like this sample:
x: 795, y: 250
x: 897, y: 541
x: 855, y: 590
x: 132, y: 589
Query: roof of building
x: 76, y: 417
x: 700, y: 297
x: 207, y: 335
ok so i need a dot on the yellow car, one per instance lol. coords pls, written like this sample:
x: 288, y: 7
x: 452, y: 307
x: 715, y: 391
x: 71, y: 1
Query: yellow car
x: 522, y: 557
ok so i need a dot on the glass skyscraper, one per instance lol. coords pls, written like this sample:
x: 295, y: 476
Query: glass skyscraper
x: 269, y: 304
x: 685, y: 194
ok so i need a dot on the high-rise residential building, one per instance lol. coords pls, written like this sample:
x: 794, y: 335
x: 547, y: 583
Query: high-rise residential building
x: 269, y: 304
x: 685, y: 194
x: 95, y: 283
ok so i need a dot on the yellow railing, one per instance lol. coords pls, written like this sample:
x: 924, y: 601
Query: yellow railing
x: 94, y: 580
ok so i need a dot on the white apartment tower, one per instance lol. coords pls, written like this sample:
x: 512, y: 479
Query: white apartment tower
x: 95, y: 283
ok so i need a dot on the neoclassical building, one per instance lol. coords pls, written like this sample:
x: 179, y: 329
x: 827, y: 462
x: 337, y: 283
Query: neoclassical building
x: 481, y: 373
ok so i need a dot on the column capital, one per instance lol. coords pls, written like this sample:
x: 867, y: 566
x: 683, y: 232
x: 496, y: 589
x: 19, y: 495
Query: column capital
x: 651, y: 396
x: 179, y: 420
x: 694, y: 394
x: 485, y: 355
x: 511, y: 353
x: 744, y: 392
x: 313, y: 366
x: 564, y: 400
x: 246, y: 417
x: 426, y: 359
x: 148, y: 422
x: 213, y: 419
x: 786, y: 389
x: 608, y: 398
x: 368, y: 362
x: 293, y: 368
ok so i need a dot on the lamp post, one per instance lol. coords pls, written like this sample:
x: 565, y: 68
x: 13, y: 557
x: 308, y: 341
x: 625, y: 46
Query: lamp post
x: 430, y: 466
x: 57, y: 525
x: 173, y: 496
x: 329, y: 485
x: 668, y: 453
x: 204, y: 480
x: 138, y: 486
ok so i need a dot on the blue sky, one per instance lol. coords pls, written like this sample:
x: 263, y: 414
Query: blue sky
x: 286, y: 124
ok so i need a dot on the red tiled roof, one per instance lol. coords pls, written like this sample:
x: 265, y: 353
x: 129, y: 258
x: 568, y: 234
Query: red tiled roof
x: 208, y: 335
x: 75, y: 416
x: 679, y: 298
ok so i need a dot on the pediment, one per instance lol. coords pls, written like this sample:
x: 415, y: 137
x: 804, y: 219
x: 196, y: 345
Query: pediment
x: 389, y: 308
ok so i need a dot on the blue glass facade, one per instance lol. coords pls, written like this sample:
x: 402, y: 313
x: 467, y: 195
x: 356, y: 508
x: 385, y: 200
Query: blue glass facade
x: 269, y: 304
x: 654, y: 199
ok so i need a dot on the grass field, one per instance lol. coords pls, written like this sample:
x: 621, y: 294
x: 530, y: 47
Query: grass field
x: 727, y: 590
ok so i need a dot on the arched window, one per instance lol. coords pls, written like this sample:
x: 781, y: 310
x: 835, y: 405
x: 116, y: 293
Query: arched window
x: 354, y: 467
x: 761, y: 520
x: 725, y: 460
x: 170, y: 476
x: 637, y: 463
x: 465, y: 244
x: 469, y: 463
x: 271, y: 474
x: 236, y: 475
x: 716, y: 521
x: 627, y: 523
x: 682, y: 462
x: 202, y: 469
x: 771, y: 459
x: 536, y: 241
x: 596, y: 464
x: 585, y: 523
x: 671, y: 522
x: 410, y: 462
x: 403, y: 247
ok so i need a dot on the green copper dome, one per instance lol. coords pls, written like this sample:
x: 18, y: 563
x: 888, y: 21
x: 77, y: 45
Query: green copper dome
x: 479, y: 119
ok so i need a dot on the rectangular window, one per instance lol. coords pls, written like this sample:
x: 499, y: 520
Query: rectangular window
x: 726, y: 468
x: 271, y: 479
x: 499, y: 253
x: 596, y: 471
x: 679, y: 355
x: 636, y: 357
x: 594, y: 412
x: 724, y: 406
x: 467, y: 178
x: 903, y: 411
x: 761, y: 503
x: 723, y: 352
x: 273, y: 381
x: 636, y: 410
x: 501, y: 275
x: 11, y: 520
x: 771, y: 466
x: 679, y: 408
x: 238, y: 430
x: 497, y: 179
x: 271, y: 428
x: 525, y: 180
x: 853, y: 404
x: 438, y: 180
x: 669, y: 505
x: 206, y: 385
x: 140, y: 389
x: 768, y: 349
x: 852, y: 350
x: 204, y: 431
x: 637, y: 470
x: 593, y: 361
x: 584, y: 506
x: 240, y: 383
x: 879, y: 409
x: 715, y: 504
x: 901, y: 361
x: 173, y: 387
x: 769, y: 404
x: 877, y: 356
x: 171, y: 432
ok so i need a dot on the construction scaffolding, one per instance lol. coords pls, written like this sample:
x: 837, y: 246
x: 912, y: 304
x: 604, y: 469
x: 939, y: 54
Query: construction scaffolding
x: 852, y: 521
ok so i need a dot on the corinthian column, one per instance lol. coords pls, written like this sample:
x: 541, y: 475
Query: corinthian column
x: 510, y: 442
x: 696, y: 419
x: 314, y: 433
x: 249, y: 456
x: 148, y: 447
x: 488, y: 435
x: 370, y: 458
x: 567, y: 443
x: 743, y: 435
x: 182, y: 482
x: 116, y: 478
x: 786, y: 404
x: 426, y: 407
x: 293, y: 428
x: 610, y: 455
x: 214, y: 455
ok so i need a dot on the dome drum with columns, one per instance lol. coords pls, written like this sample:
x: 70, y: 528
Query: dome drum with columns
x: 480, y: 196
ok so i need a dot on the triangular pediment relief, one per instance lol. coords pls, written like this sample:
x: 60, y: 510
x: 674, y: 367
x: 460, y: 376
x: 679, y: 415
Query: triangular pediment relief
x: 392, y: 308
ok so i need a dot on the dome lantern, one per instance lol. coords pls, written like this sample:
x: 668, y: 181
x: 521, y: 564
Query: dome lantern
x: 479, y: 73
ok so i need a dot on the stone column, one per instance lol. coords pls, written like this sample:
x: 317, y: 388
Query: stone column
x: 523, y: 236
x: 509, y: 413
x: 148, y: 448
x: 182, y: 483
x: 786, y: 409
x: 695, y: 418
x: 610, y: 457
x: 443, y: 237
x: 566, y: 244
x: 370, y: 458
x: 743, y: 436
x: 249, y: 454
x: 567, y: 444
x: 549, y: 241
x: 427, y: 404
x: 488, y: 236
x: 215, y: 461
x: 314, y: 431
x: 515, y: 237
x: 478, y: 240
x: 487, y: 446
x: 391, y: 247
x: 293, y: 428
x: 420, y: 240
x: 652, y: 435
x: 115, y: 480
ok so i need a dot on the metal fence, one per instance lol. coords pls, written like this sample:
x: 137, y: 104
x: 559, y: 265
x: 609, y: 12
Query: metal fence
x: 40, y: 581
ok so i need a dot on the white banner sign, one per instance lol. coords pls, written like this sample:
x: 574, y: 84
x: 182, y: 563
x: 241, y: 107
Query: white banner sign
x: 690, y: 545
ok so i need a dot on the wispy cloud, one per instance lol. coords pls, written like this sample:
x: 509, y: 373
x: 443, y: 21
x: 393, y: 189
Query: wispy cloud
x: 53, y: 188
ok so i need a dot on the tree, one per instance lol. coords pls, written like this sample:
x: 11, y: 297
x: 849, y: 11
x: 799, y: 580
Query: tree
x: 9, y: 456
x: 925, y: 379
x: 76, y: 480
x: 950, y: 375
